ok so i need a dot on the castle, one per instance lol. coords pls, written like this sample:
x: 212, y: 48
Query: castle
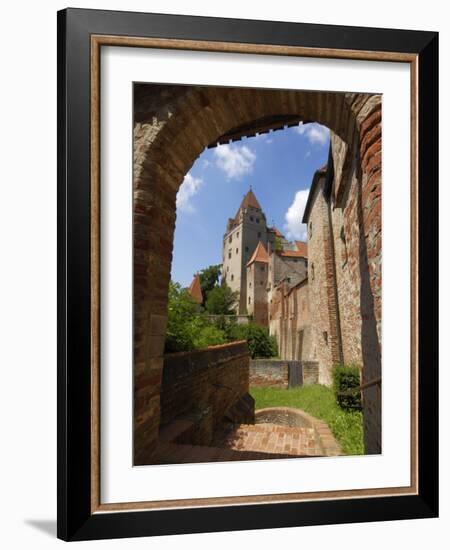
x: 256, y: 258
x: 304, y: 292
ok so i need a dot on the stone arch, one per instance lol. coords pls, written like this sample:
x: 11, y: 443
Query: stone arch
x: 173, y: 125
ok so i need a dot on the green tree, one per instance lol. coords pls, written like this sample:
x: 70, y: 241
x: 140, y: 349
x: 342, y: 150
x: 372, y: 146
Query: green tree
x: 182, y: 320
x: 260, y: 343
x: 278, y: 245
x: 209, y: 279
x: 187, y: 328
x: 220, y: 300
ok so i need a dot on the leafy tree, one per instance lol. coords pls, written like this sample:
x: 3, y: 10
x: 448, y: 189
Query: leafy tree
x: 260, y: 343
x: 187, y: 328
x: 209, y: 279
x: 220, y: 300
x: 278, y: 244
x: 182, y: 320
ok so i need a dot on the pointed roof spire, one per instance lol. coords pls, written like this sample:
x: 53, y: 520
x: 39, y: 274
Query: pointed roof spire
x: 259, y: 255
x: 250, y: 200
x: 195, y: 289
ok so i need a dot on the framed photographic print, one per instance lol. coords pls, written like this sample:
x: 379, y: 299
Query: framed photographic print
x: 247, y: 274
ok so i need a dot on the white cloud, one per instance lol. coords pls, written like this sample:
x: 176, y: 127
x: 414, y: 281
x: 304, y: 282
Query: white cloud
x: 235, y: 161
x: 294, y: 228
x: 314, y: 132
x: 187, y: 190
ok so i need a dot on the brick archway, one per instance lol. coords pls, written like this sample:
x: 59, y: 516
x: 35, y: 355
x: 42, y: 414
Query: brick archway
x: 173, y: 125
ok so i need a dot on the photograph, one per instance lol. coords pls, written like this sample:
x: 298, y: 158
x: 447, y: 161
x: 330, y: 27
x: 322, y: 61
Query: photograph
x: 257, y: 278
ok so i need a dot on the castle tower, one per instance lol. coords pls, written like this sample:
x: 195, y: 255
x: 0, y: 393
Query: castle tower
x: 257, y: 272
x: 243, y: 233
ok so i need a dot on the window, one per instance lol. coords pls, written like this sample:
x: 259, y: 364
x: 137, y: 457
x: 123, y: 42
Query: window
x: 249, y: 285
x: 237, y: 235
x: 344, y: 256
x: 310, y: 229
x: 229, y: 253
x: 257, y: 220
x: 232, y: 277
x: 251, y: 218
x: 325, y: 337
x: 312, y: 272
x: 228, y: 268
x: 261, y: 283
x: 259, y: 234
x: 237, y: 250
x: 230, y: 238
x: 249, y: 300
x: 262, y: 268
x: 246, y: 248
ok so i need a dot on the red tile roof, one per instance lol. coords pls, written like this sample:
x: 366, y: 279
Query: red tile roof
x: 291, y: 254
x: 195, y: 290
x: 250, y: 200
x: 301, y: 252
x: 276, y: 231
x: 302, y: 247
x: 259, y: 255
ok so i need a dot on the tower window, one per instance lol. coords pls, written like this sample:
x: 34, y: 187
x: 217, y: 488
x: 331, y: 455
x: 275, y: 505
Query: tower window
x: 312, y: 272
x: 237, y: 250
x: 229, y: 253
x: 310, y: 229
x: 344, y: 251
x: 325, y: 337
x: 249, y: 300
x: 230, y: 238
x: 237, y: 235
x: 259, y: 234
x: 232, y: 277
x: 246, y: 248
x: 257, y: 220
x: 251, y: 218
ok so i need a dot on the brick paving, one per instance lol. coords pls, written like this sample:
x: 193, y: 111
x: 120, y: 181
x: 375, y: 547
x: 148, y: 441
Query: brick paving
x: 270, y: 438
x: 243, y: 442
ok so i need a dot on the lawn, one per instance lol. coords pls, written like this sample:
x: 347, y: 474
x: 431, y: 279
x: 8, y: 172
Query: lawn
x: 318, y: 401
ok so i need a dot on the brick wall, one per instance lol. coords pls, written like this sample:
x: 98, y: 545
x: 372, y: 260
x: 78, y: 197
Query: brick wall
x: 266, y: 373
x: 204, y: 385
x: 275, y: 373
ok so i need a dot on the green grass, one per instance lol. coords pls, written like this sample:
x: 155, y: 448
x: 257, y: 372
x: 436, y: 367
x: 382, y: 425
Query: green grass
x: 318, y: 401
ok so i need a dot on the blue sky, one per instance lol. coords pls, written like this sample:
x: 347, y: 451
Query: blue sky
x: 279, y: 166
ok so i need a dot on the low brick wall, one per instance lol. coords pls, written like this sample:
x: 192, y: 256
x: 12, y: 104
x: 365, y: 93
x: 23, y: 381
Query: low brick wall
x: 281, y: 373
x: 204, y: 386
x: 265, y: 373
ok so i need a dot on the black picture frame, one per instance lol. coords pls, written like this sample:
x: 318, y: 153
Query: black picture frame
x: 75, y: 519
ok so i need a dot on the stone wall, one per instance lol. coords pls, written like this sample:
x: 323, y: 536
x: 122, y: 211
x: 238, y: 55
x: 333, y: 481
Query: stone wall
x: 204, y: 386
x: 276, y: 373
x: 323, y: 320
x: 266, y: 373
